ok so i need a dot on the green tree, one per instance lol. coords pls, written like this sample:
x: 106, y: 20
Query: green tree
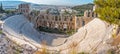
x: 108, y: 10
x: 1, y: 8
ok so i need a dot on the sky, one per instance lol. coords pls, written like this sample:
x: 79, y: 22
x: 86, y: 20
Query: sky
x: 57, y: 2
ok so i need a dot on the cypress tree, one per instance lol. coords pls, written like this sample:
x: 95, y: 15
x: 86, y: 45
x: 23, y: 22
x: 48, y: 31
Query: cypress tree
x: 1, y: 8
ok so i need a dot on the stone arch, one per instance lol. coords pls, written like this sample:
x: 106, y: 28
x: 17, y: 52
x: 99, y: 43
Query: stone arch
x: 65, y: 27
x: 48, y: 24
x: 93, y: 14
x: 56, y: 25
x: 88, y: 14
x: 83, y: 23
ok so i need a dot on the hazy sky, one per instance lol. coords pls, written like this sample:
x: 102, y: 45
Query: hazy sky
x: 56, y: 2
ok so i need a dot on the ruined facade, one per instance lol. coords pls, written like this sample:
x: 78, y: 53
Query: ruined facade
x: 90, y: 13
x: 81, y: 21
x: 56, y: 21
x: 24, y: 8
x: 54, y: 18
x: 88, y: 16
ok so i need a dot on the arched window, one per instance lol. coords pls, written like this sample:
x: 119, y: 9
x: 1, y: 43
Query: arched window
x: 65, y: 27
x: 47, y: 18
x: 42, y: 17
x: 65, y: 19
x: 92, y: 14
x: 59, y: 19
x: 56, y: 18
x: 88, y: 14
x: 96, y: 15
x: 47, y: 24
x: 71, y: 19
x: 83, y: 23
x: 56, y: 25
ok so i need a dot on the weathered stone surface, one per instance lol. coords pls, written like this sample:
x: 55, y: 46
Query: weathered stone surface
x: 92, y: 37
x: 18, y: 26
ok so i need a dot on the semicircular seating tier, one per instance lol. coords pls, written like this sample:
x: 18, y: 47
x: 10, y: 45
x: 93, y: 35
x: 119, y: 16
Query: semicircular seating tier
x: 88, y: 38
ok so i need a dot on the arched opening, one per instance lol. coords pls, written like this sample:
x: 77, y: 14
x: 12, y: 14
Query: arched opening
x: 83, y: 23
x: 88, y: 14
x: 56, y: 18
x: 93, y: 14
x: 65, y: 27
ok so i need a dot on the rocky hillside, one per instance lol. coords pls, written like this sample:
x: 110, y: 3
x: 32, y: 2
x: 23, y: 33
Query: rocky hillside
x: 8, y: 46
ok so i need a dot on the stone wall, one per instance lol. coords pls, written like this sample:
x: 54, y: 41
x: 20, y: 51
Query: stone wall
x: 56, y: 21
x: 24, y: 9
x: 61, y: 21
x: 81, y: 21
x: 90, y: 13
x: 69, y: 22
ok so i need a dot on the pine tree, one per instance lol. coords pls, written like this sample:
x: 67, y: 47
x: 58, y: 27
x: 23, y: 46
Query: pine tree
x: 108, y: 10
x: 0, y: 8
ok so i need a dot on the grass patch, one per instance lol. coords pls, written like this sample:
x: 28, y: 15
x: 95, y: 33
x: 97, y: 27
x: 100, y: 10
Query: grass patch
x: 83, y: 53
x: 1, y: 32
x: 43, y: 49
x: 110, y: 51
x: 113, y: 35
x: 73, y: 49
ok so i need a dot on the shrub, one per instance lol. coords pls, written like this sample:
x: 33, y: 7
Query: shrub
x: 43, y: 50
x: 1, y: 32
x: 110, y: 51
x: 73, y: 48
